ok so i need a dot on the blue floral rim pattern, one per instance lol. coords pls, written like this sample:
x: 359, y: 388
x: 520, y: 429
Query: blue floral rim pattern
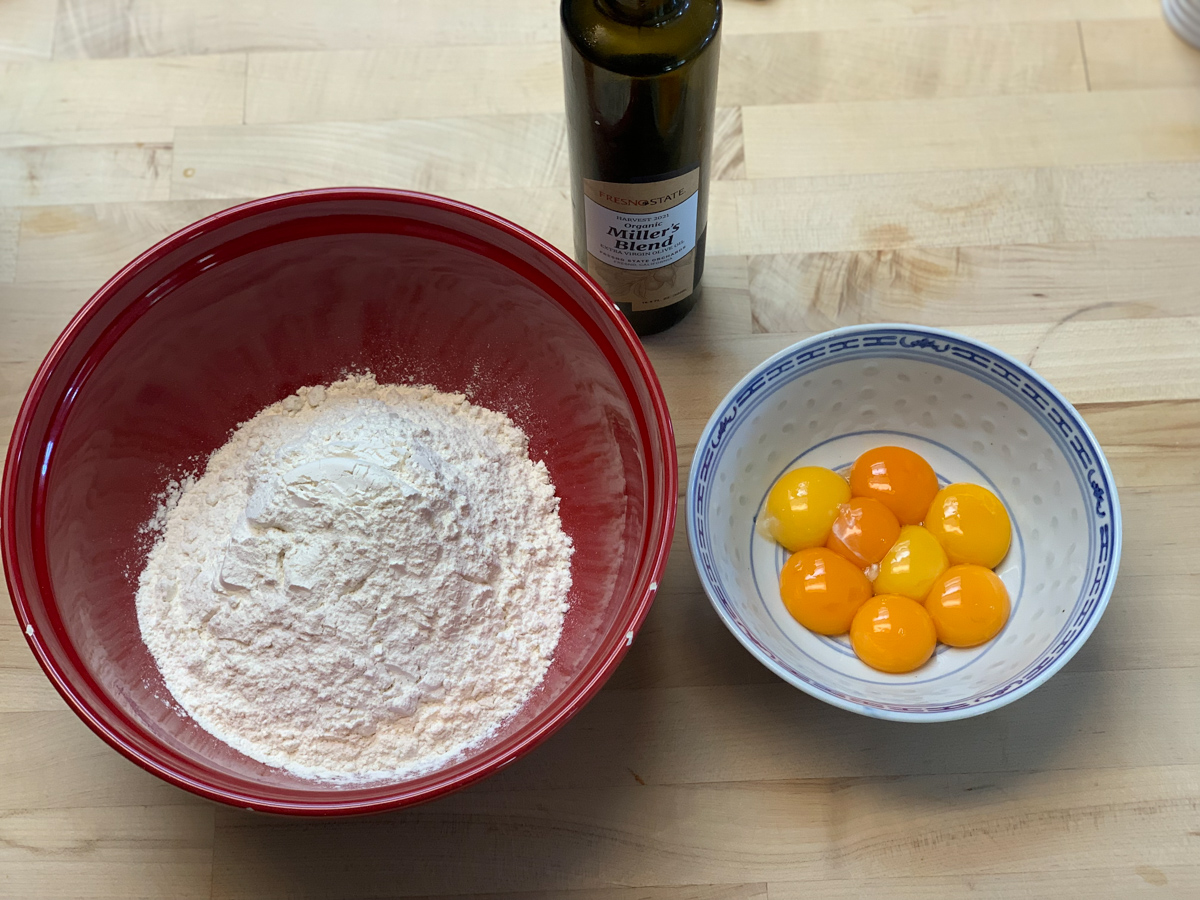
x: 998, y: 370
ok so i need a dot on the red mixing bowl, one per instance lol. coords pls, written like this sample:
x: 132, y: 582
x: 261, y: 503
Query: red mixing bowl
x: 236, y: 312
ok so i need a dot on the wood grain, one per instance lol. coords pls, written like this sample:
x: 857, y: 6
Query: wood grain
x: 649, y: 732
x: 1015, y: 283
x: 439, y: 155
x: 27, y: 29
x: 435, y: 155
x: 89, y: 243
x: 105, y: 28
x: 86, y: 772
x: 1024, y: 171
x: 92, y: 173
x: 30, y: 320
x: 648, y: 835
x: 1140, y: 53
x: 1151, y: 444
x: 23, y: 686
x: 360, y: 85
x: 1056, y: 204
x: 757, y: 17
x: 127, y: 94
x: 144, y: 852
x: 900, y: 63
x: 1167, y: 882
x: 1151, y: 362
x: 674, y: 892
x: 101, y: 28
x: 9, y: 223
x: 972, y: 133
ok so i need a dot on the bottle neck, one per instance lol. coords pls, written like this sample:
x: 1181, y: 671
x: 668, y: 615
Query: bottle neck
x: 643, y: 12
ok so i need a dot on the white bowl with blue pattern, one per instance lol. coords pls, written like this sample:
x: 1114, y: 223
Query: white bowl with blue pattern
x: 976, y: 415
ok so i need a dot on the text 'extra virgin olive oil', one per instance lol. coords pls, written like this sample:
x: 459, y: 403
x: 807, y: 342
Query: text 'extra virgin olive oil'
x: 641, y: 86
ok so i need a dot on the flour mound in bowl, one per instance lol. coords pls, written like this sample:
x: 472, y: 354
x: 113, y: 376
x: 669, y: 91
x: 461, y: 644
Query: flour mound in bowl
x: 366, y: 581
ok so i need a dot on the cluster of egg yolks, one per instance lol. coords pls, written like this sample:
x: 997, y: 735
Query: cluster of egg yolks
x: 822, y: 590
x: 802, y: 505
x: 898, y: 478
x: 893, y: 633
x: 968, y: 604
x: 971, y: 523
x: 935, y: 551
x: 863, y: 531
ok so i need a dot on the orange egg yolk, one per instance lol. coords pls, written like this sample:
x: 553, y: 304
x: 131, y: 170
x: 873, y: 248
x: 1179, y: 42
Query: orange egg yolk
x: 971, y: 523
x: 893, y: 634
x: 912, y: 565
x: 969, y: 605
x: 899, y: 479
x: 802, y: 505
x: 863, y: 531
x: 822, y: 591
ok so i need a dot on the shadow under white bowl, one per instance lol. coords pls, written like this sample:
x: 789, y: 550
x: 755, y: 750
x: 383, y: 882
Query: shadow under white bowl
x: 977, y: 415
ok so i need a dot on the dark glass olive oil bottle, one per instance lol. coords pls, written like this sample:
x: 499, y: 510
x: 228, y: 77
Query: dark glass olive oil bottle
x: 641, y: 86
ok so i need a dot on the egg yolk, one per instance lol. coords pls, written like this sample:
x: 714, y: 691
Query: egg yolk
x: 899, y: 479
x: 971, y: 523
x: 893, y: 634
x: 802, y: 505
x: 822, y: 591
x: 912, y: 565
x: 863, y: 531
x: 969, y: 605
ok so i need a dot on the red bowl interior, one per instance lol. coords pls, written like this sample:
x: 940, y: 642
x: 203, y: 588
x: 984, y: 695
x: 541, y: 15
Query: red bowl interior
x: 241, y: 309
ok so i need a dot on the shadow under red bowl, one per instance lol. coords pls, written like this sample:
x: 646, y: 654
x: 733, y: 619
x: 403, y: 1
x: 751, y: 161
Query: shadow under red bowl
x: 239, y: 310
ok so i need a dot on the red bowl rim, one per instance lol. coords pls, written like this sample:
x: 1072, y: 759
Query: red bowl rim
x: 400, y: 796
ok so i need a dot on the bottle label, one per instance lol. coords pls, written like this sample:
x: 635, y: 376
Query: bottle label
x: 641, y: 238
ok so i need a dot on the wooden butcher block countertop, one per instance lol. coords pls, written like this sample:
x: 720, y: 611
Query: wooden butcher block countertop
x: 1024, y: 171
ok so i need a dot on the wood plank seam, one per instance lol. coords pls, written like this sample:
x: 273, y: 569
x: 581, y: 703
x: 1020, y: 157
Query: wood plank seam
x: 1083, y: 54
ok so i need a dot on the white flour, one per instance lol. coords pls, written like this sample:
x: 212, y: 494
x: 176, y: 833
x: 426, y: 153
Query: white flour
x: 367, y: 579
